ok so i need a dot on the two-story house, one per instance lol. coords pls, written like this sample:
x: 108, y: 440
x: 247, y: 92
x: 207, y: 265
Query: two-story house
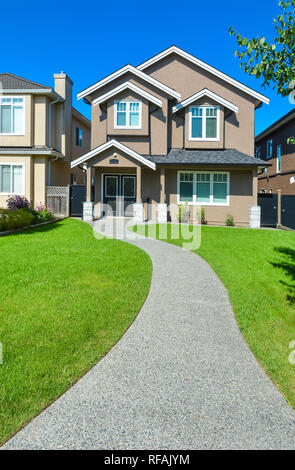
x: 173, y: 130
x: 272, y: 146
x: 40, y: 134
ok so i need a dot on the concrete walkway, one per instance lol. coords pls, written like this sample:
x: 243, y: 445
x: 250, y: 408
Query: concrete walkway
x: 182, y: 377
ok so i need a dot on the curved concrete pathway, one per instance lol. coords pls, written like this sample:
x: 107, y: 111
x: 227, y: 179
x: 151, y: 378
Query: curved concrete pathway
x: 182, y: 377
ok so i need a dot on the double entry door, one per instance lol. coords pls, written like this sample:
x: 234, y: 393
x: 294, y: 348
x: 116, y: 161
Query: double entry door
x: 119, y: 192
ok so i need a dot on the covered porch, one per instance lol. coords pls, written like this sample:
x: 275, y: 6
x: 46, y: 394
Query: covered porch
x: 125, y: 184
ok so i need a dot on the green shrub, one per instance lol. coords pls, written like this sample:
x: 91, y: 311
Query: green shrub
x: 13, y: 219
x: 43, y: 213
x: 230, y: 220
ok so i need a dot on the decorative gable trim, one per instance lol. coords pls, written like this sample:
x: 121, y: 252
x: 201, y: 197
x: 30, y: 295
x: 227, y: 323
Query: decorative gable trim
x: 119, y: 146
x: 200, y: 94
x: 128, y: 68
x: 207, y: 67
x: 129, y: 86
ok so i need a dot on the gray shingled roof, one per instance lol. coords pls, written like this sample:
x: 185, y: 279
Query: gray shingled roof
x: 35, y: 149
x: 207, y: 157
x: 8, y: 81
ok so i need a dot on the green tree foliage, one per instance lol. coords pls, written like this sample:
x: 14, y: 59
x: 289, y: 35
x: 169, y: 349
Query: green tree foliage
x: 274, y: 61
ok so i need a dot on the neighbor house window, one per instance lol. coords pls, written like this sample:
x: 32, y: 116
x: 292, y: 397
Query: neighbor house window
x: 127, y: 115
x: 204, y: 123
x: 279, y: 158
x: 11, y: 179
x: 12, y: 116
x: 269, y: 149
x: 258, y: 151
x: 203, y: 188
x: 79, y: 137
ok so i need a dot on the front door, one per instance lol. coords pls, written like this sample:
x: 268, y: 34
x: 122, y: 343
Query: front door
x: 119, y: 192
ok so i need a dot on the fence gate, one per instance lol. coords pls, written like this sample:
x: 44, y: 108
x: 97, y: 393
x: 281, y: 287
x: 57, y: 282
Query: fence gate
x: 288, y: 211
x: 269, y: 209
x: 58, y: 198
x: 77, y: 197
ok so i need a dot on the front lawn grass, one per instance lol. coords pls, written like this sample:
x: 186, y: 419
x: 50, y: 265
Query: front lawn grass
x: 258, y: 269
x: 66, y: 299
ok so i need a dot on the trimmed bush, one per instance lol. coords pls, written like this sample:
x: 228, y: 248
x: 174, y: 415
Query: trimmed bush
x: 230, y: 220
x: 13, y: 219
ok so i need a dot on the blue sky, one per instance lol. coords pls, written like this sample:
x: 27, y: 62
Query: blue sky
x: 90, y: 39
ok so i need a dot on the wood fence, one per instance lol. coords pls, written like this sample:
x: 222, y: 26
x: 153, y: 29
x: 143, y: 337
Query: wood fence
x: 58, y: 198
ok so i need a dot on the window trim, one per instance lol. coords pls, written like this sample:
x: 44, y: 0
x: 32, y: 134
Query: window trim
x: 23, y: 133
x: 194, y: 202
x: 258, y: 151
x: 128, y: 102
x: 11, y: 164
x: 204, y: 118
x: 269, y: 156
x: 279, y: 170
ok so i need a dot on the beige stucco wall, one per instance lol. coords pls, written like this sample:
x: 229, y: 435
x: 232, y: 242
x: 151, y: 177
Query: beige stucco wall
x: 20, y: 140
x: 40, y: 179
x: 41, y: 120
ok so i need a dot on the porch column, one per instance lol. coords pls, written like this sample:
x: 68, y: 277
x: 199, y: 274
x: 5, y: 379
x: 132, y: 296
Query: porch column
x: 88, y: 185
x: 162, y: 186
x: 138, y: 216
x: 88, y: 205
x: 162, y: 206
x: 138, y: 184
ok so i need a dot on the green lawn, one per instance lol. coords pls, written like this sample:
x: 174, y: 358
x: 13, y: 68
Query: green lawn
x: 66, y: 299
x: 258, y: 269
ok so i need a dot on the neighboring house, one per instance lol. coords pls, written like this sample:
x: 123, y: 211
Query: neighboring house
x: 40, y: 134
x: 170, y: 131
x: 272, y: 146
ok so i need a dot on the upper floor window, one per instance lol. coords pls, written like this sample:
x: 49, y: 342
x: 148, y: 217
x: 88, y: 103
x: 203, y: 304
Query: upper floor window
x: 204, y: 123
x: 269, y: 149
x: 79, y: 137
x: 11, y: 178
x: 127, y: 115
x: 12, y: 116
x: 279, y: 158
x: 258, y: 151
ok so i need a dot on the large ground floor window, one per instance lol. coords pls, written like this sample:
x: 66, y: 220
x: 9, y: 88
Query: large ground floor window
x: 11, y: 178
x: 203, y: 187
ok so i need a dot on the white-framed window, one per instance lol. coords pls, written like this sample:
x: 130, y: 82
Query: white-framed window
x: 204, y: 123
x: 258, y: 151
x: 269, y: 149
x: 279, y: 158
x: 12, y: 115
x: 127, y: 114
x: 12, y: 178
x: 209, y: 188
x: 79, y: 137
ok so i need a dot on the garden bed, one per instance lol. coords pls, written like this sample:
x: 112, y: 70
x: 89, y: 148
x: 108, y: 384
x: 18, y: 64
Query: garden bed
x: 22, y: 229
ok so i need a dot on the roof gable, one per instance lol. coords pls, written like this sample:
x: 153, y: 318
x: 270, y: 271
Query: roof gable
x: 176, y: 50
x: 128, y: 68
x: 117, y: 145
x: 129, y: 86
x: 210, y: 94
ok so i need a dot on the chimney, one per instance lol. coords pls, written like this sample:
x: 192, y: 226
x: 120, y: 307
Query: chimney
x: 63, y: 87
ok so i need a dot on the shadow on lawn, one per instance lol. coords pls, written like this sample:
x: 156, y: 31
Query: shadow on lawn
x: 288, y: 265
x: 43, y: 228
